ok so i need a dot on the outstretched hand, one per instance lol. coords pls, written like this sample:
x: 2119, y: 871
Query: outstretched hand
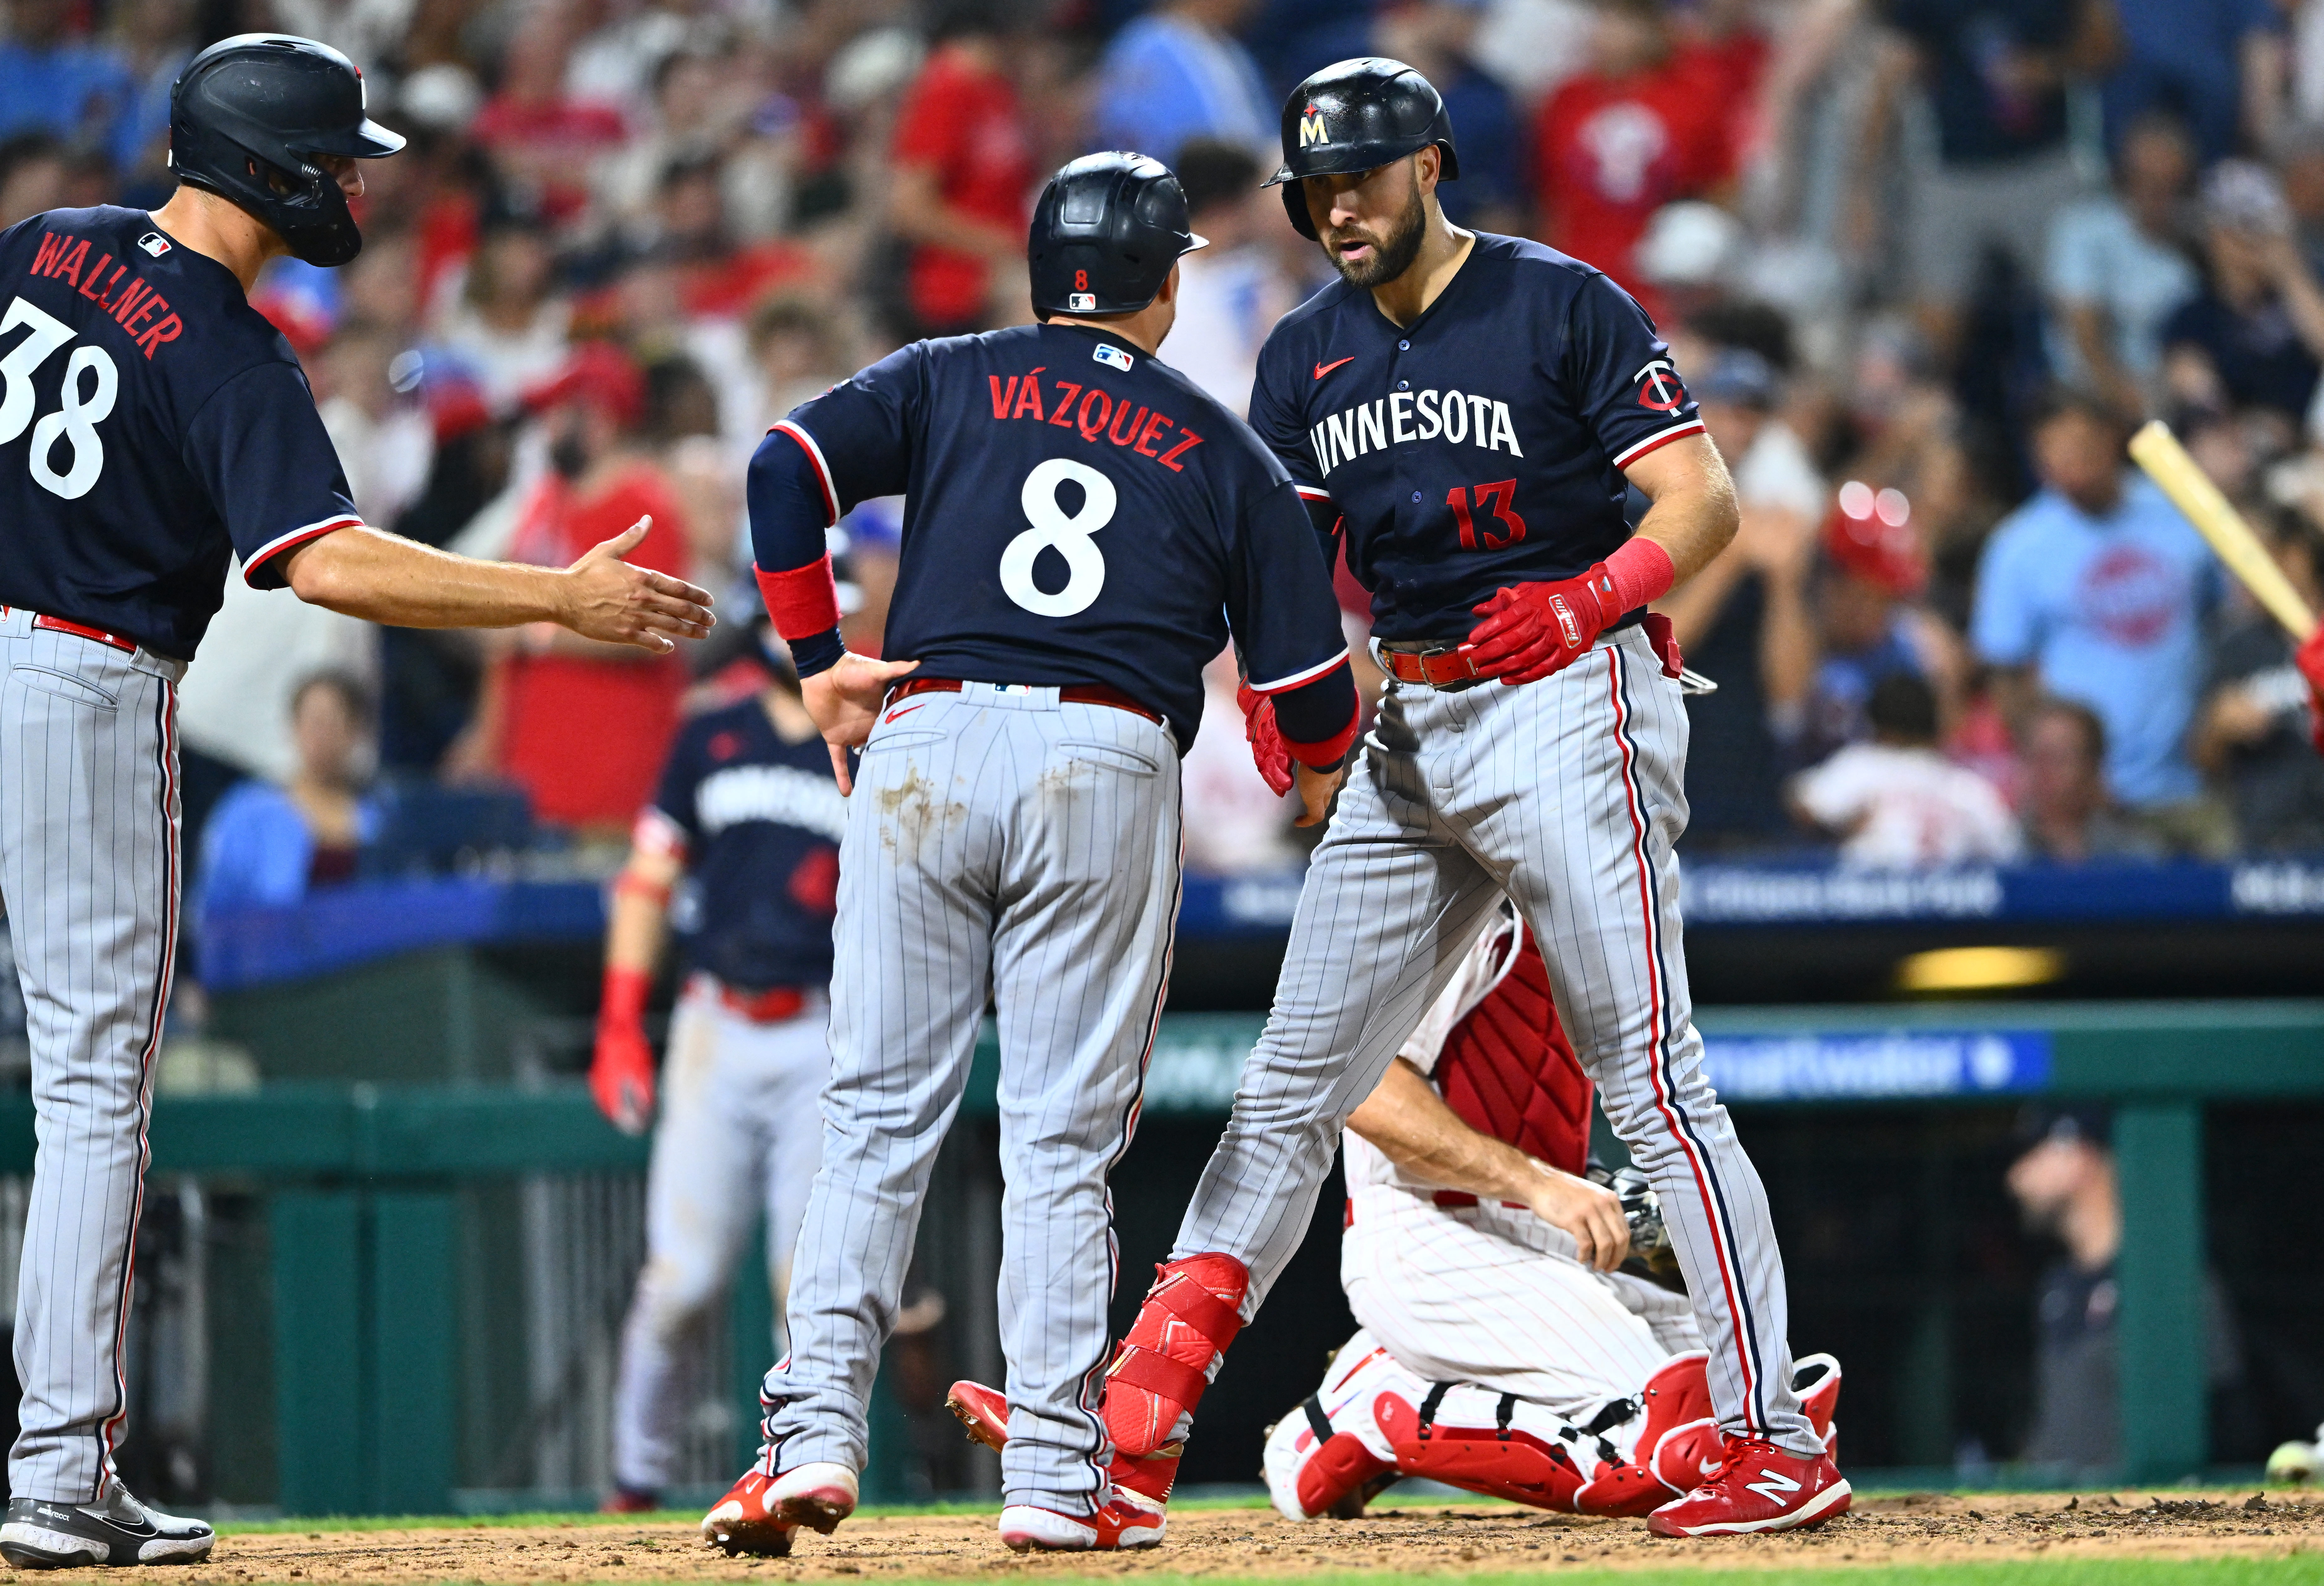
x: 609, y: 600
x: 844, y: 701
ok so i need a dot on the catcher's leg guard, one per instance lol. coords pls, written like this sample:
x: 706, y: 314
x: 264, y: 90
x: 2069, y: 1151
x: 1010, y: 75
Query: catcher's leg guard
x: 1191, y: 1314
x: 1329, y: 1456
x: 1816, y: 1379
x: 1674, y: 1436
x: 1476, y: 1446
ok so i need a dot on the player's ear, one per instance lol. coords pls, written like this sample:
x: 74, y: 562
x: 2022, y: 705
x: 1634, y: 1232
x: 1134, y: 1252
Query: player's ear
x: 1427, y: 165
x: 1169, y: 292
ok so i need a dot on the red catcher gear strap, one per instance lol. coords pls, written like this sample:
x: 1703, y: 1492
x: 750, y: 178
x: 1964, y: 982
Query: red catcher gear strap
x: 1160, y: 1374
x: 1190, y: 1315
x: 1507, y: 1069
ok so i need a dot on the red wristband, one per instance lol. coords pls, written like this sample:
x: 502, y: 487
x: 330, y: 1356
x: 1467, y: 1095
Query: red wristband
x: 1641, y: 571
x: 803, y: 602
x: 1328, y: 754
x: 623, y: 1000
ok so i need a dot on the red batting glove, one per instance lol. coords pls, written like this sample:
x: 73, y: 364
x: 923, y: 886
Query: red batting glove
x: 1268, y: 752
x: 2309, y: 659
x: 1533, y: 631
x: 621, y: 1073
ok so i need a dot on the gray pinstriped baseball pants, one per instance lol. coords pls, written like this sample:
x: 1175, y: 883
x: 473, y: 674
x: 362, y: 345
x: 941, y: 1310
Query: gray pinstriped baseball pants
x: 89, y: 870
x: 1001, y: 843
x: 1566, y: 794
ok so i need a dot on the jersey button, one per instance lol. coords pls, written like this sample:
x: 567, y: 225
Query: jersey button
x: 1416, y: 496
x: 1404, y: 386
x: 1404, y: 346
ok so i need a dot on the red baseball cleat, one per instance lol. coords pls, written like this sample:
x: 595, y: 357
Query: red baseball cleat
x: 983, y: 1412
x: 760, y: 1512
x: 1759, y: 1488
x: 1124, y: 1521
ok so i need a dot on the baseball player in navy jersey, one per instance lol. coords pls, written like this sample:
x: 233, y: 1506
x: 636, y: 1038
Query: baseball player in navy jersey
x: 152, y: 427
x: 1466, y: 411
x: 739, y: 853
x: 1083, y: 529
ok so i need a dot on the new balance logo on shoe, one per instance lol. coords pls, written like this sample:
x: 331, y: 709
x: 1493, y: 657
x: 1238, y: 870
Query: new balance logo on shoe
x: 1773, y: 1485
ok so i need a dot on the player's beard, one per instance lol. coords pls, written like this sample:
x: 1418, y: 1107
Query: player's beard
x: 1392, y: 254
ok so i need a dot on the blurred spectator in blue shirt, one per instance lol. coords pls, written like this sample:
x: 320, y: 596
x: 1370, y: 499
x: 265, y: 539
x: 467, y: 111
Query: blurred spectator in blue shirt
x: 2096, y: 590
x: 156, y: 41
x: 1178, y: 73
x: 2204, y: 60
x: 2118, y: 268
x: 267, y: 844
x: 2254, y: 335
x: 1436, y: 36
x: 70, y: 87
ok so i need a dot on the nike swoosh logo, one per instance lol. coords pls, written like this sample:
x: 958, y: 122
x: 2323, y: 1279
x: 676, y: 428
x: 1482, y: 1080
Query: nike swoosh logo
x: 901, y: 710
x: 1324, y: 369
x: 1709, y: 1468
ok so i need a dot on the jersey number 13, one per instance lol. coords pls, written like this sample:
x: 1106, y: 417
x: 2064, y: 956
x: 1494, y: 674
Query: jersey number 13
x: 1067, y: 534
x: 86, y: 400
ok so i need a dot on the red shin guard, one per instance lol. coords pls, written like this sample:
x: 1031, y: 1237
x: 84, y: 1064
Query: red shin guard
x: 1191, y: 1314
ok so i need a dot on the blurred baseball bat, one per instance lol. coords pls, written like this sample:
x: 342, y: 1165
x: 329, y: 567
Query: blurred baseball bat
x: 2155, y: 450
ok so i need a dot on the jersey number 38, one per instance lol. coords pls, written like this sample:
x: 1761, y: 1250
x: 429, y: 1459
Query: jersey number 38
x: 91, y: 385
x: 1067, y: 533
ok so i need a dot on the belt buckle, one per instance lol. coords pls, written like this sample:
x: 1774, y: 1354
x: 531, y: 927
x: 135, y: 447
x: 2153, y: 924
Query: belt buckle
x: 1432, y: 676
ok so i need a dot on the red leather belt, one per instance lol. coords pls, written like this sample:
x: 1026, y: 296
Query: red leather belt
x: 1071, y: 694
x: 1437, y: 668
x: 80, y: 631
x: 771, y: 1005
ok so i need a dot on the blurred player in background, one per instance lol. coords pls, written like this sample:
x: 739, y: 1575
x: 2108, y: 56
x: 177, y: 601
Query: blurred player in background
x: 739, y: 855
x: 152, y: 427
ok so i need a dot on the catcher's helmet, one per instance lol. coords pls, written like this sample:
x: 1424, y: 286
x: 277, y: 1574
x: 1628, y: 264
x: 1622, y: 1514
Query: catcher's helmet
x: 1355, y: 115
x: 1105, y: 233
x: 247, y: 118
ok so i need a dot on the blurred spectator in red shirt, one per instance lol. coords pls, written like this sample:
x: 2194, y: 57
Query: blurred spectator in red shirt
x: 1648, y: 120
x: 582, y: 727
x: 535, y: 133
x: 963, y: 166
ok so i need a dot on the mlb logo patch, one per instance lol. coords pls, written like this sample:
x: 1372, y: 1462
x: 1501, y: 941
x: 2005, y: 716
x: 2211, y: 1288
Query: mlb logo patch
x: 1080, y: 303
x: 154, y: 243
x: 1113, y: 357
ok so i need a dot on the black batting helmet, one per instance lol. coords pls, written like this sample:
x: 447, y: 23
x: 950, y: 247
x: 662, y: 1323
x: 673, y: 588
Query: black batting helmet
x: 1105, y: 233
x: 248, y: 116
x: 1355, y: 115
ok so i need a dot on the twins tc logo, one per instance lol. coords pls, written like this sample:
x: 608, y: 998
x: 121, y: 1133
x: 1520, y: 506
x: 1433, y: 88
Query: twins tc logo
x: 1659, y: 388
x: 1311, y: 129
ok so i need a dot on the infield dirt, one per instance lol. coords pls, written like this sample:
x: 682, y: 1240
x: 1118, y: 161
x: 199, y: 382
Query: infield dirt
x: 1913, y: 1528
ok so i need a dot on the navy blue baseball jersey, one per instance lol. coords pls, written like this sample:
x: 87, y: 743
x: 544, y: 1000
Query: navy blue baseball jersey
x: 152, y: 424
x: 758, y: 821
x: 1076, y: 512
x: 1480, y: 446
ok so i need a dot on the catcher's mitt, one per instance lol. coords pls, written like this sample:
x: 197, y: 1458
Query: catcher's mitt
x: 1650, y: 1244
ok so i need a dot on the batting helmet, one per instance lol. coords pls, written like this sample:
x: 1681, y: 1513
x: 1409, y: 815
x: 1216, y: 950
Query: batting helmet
x: 1105, y: 233
x: 248, y: 116
x: 1357, y: 116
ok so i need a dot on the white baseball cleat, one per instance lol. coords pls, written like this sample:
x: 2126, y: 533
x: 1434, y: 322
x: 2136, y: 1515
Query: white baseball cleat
x: 1329, y: 1456
x: 1124, y: 1521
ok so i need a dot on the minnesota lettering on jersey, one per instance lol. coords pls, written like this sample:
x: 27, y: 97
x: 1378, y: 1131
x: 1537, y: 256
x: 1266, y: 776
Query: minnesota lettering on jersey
x: 1094, y: 413
x: 778, y: 793
x: 1404, y: 416
x: 134, y: 305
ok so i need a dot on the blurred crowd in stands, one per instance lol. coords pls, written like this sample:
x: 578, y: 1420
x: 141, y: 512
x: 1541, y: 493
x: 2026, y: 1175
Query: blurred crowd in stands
x: 1924, y: 262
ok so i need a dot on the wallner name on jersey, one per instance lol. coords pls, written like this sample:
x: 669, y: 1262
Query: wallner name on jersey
x: 1483, y: 444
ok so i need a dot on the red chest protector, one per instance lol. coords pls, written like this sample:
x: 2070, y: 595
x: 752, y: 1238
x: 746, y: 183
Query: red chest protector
x: 1507, y: 1070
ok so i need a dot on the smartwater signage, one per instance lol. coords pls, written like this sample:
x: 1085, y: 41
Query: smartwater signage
x: 1889, y: 1064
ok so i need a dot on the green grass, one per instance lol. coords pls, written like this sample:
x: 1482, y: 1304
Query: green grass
x: 2300, y: 1571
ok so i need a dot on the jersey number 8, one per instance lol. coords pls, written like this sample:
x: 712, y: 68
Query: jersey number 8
x: 1067, y: 534
x: 84, y: 404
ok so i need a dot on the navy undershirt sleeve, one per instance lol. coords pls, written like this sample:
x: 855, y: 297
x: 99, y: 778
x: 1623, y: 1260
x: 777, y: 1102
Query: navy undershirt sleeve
x: 788, y: 509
